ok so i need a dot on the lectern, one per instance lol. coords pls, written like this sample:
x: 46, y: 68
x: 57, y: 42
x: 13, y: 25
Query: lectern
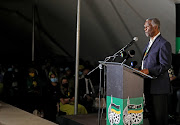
x: 124, y: 97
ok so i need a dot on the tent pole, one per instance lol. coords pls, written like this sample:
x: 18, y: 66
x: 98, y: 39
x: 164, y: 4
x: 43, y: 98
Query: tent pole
x: 77, y: 58
x: 33, y: 32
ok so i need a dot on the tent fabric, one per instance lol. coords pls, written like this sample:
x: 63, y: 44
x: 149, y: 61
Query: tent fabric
x: 106, y: 26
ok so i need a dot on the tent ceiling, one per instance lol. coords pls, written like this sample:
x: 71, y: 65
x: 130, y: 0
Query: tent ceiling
x: 105, y: 26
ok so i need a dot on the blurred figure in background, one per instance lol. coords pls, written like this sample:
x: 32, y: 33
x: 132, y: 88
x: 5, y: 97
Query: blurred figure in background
x: 34, y: 91
x: 53, y: 98
x: 174, y: 98
x: 11, y: 82
x: 70, y: 77
x: 67, y: 99
x: 86, y: 91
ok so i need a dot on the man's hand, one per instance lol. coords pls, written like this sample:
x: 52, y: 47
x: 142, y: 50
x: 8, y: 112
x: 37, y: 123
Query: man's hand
x: 72, y: 99
x: 145, y: 71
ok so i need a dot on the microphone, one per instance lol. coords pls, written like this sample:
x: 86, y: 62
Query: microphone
x: 131, y: 54
x: 122, y: 49
x: 133, y: 64
x: 135, y: 39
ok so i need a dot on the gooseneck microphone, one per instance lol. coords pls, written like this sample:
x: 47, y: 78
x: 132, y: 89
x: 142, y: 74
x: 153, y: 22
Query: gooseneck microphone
x: 135, y: 39
x: 121, y: 50
x: 128, y: 45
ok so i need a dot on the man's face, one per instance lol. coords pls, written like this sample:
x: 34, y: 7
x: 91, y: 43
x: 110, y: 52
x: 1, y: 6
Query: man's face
x: 64, y: 81
x: 32, y: 74
x: 149, y: 29
x: 53, y: 76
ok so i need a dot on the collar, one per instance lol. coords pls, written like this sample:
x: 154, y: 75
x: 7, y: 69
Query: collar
x: 152, y: 40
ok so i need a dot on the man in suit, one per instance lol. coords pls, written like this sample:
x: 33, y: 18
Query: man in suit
x: 156, y: 62
x: 87, y: 92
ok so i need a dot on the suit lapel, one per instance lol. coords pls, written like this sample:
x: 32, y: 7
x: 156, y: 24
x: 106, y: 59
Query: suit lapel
x: 152, y: 46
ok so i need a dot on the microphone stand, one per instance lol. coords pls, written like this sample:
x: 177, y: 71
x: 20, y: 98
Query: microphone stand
x: 114, y: 55
x: 124, y: 61
x: 122, y: 49
x: 100, y: 67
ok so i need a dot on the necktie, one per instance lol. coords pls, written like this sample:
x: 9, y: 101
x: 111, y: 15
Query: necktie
x: 147, y: 50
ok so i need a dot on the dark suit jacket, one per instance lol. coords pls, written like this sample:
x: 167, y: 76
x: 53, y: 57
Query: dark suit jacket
x: 158, y: 61
x: 82, y: 88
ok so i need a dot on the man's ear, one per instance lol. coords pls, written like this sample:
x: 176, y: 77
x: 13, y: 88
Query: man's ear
x: 156, y: 27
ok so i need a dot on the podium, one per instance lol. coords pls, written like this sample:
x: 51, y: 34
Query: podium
x: 124, y: 96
